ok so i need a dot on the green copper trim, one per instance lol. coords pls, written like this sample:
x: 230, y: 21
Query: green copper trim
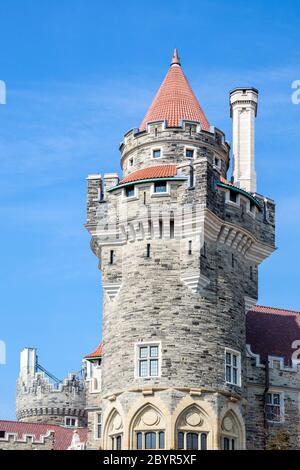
x: 148, y: 180
x: 240, y: 191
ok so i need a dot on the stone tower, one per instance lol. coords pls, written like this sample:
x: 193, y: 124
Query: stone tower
x: 179, y: 248
x: 40, y: 399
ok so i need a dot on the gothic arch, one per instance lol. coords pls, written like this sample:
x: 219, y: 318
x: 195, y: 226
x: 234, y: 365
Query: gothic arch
x: 232, y: 432
x: 193, y: 426
x: 113, y: 435
x: 148, y: 423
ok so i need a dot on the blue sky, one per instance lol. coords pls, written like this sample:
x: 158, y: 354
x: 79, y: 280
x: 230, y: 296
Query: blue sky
x: 79, y: 74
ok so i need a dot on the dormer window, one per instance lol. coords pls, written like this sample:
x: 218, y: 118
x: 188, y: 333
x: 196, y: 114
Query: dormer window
x: 233, y: 196
x: 156, y: 153
x: 129, y: 191
x: 189, y: 153
x: 71, y: 422
x: 160, y: 187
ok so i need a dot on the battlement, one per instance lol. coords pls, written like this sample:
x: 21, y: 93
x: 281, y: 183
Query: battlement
x: 138, y: 146
x: 43, y: 398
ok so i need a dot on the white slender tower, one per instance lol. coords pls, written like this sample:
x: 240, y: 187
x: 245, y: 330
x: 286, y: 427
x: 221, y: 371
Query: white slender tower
x: 243, y: 110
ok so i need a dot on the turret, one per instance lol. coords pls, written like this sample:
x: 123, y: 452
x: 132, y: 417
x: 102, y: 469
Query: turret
x: 179, y: 247
x: 243, y: 111
x: 42, y: 398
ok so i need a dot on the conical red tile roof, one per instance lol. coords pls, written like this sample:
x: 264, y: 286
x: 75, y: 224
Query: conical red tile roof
x: 175, y: 100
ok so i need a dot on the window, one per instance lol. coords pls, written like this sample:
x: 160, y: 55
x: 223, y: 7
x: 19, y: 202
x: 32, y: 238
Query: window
x: 192, y: 440
x: 116, y: 442
x: 2, y: 434
x: 233, y: 367
x: 112, y: 257
x: 150, y: 440
x: 129, y: 191
x: 156, y: 153
x: 130, y: 161
x: 189, y: 153
x: 148, y: 360
x: 98, y: 426
x: 161, y: 228
x: 232, y: 260
x: 191, y: 178
x: 160, y: 187
x: 148, y: 250
x: 190, y: 247
x: 274, y: 407
x: 72, y: 422
x: 251, y: 273
x: 228, y: 443
x: 217, y: 163
x: 172, y: 227
x: 233, y: 196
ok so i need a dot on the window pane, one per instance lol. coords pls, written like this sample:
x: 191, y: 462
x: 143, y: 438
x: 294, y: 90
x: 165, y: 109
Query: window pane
x: 203, y: 441
x: 119, y: 443
x: 150, y: 440
x: 235, y: 380
x: 156, y: 153
x: 226, y: 443
x: 189, y: 153
x: 130, y: 191
x: 234, y: 358
x: 161, y: 436
x: 160, y: 187
x: 154, y: 351
x: 269, y: 398
x: 154, y: 367
x: 192, y: 441
x: 143, y: 352
x: 139, y: 442
x: 228, y: 374
x: 228, y: 358
x: 276, y: 399
x: 143, y: 369
x: 180, y: 440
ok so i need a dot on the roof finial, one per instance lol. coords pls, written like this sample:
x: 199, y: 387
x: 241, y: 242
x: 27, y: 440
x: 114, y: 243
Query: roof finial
x: 175, y: 58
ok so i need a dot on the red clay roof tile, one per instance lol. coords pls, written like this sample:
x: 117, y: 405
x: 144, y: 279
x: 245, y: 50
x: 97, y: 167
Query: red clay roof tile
x: 271, y: 331
x: 160, y: 171
x: 96, y: 353
x: 174, y: 101
x: 62, y: 436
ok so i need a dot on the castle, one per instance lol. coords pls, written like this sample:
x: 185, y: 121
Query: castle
x: 187, y: 359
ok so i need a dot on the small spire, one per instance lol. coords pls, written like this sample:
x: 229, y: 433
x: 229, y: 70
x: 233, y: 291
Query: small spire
x: 175, y: 58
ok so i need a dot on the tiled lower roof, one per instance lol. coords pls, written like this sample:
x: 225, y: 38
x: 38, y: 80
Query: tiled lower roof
x: 159, y: 171
x: 96, y: 353
x: 271, y: 332
x: 62, y: 436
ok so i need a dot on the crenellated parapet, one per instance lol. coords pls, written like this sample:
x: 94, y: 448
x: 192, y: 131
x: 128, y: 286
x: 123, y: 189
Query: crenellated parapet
x: 42, y: 398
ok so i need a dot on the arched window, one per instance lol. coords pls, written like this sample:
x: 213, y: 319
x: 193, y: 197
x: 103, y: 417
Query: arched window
x: 192, y: 430
x: 148, y: 430
x: 231, y: 432
x: 115, y: 432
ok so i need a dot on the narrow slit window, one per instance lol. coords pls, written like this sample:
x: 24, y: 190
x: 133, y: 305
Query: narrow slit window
x: 190, y: 247
x: 172, y: 228
x: 148, y: 250
x: 161, y: 228
x: 112, y: 257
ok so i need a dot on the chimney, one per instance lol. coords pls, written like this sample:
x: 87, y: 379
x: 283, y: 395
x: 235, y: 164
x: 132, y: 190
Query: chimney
x: 243, y: 110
